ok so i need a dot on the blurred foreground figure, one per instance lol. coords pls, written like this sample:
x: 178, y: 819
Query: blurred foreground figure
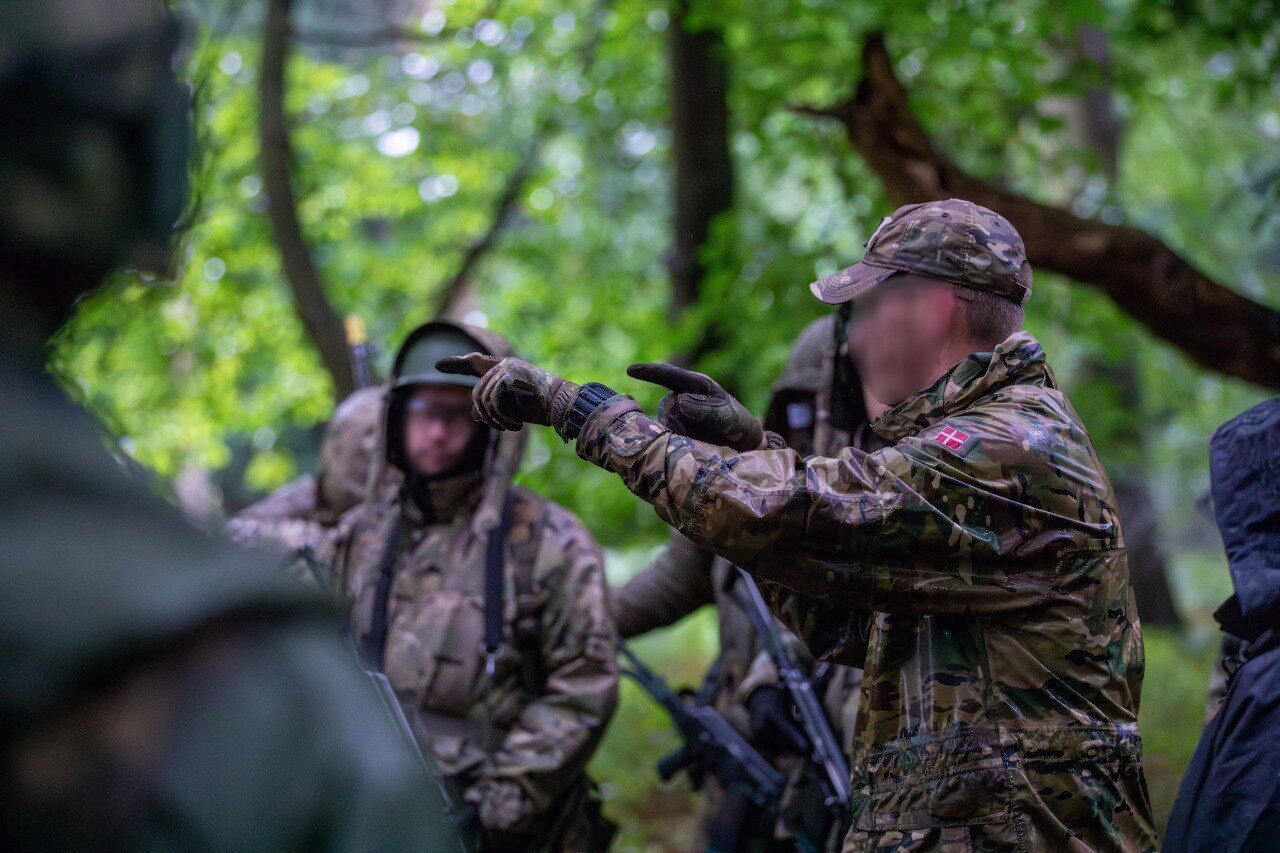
x: 1230, y: 795
x: 816, y: 407
x: 305, y: 512
x: 1004, y: 665
x: 159, y: 689
x: 486, y: 607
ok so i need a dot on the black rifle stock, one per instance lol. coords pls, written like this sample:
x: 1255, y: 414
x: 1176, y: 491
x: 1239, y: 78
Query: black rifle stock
x: 824, y: 747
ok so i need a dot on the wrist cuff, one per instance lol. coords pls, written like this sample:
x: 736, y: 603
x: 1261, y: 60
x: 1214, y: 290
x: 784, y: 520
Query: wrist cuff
x: 590, y: 397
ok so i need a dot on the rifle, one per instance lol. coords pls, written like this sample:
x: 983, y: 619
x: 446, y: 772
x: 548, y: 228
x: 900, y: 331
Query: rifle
x: 824, y: 748
x: 710, y: 743
x: 459, y: 812
x: 363, y: 352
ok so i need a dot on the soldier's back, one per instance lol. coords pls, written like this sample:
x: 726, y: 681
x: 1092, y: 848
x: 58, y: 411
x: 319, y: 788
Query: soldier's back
x: 160, y: 688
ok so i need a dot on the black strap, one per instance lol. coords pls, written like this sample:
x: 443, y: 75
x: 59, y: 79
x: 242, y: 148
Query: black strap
x: 494, y: 586
x: 374, y: 645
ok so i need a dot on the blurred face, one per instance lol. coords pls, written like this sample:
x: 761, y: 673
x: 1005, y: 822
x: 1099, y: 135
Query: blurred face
x: 437, y: 427
x: 899, y: 335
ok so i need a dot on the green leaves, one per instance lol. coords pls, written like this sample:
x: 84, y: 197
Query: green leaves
x: 403, y: 149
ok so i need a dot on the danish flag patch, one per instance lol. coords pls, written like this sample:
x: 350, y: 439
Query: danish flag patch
x: 957, y: 441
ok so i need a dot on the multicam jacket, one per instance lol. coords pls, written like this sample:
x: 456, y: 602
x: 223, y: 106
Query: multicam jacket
x: 1000, y: 695
x: 537, y: 718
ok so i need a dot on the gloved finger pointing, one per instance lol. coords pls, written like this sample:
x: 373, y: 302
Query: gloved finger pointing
x: 472, y: 364
x: 676, y: 378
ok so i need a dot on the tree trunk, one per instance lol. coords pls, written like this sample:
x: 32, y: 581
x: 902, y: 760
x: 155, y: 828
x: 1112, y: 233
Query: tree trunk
x: 703, y: 167
x: 1100, y: 129
x: 322, y: 324
x: 1214, y: 326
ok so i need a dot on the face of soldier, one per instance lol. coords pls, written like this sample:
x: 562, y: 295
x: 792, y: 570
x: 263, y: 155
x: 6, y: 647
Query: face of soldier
x: 437, y: 428
x: 901, y: 336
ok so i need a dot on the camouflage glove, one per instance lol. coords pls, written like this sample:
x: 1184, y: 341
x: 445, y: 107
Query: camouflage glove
x: 699, y: 408
x: 502, y: 804
x: 512, y: 392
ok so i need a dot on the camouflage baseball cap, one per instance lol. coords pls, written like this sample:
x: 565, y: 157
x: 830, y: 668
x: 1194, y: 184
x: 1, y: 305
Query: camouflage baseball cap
x: 954, y: 240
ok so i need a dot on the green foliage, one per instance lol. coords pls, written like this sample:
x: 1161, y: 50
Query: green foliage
x: 402, y: 151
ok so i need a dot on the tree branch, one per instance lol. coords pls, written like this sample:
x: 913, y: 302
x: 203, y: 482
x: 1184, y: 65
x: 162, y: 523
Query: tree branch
x: 1213, y: 325
x: 507, y: 201
x: 321, y: 322
x: 702, y: 176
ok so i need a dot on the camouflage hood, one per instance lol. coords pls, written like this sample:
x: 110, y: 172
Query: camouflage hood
x: 502, y: 459
x: 819, y: 392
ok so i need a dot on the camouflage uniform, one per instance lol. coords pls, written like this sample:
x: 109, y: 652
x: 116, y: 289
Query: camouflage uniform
x: 1001, y: 683
x: 999, y: 704
x: 159, y: 688
x: 684, y: 577
x: 524, y: 732
x: 306, y: 511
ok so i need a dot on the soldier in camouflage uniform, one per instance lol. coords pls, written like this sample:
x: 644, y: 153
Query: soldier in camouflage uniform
x: 159, y: 689
x: 809, y: 412
x: 306, y: 511
x: 1000, y: 696
x: 510, y: 722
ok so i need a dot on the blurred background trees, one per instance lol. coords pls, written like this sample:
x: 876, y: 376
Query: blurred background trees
x: 617, y: 180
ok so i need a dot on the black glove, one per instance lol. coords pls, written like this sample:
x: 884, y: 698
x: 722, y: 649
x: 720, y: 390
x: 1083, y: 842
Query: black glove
x: 699, y: 408
x: 772, y: 724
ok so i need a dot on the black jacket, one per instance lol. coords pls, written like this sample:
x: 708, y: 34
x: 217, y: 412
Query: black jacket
x: 1230, y: 796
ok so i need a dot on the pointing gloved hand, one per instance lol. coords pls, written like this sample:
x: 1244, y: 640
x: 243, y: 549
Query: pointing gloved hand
x: 513, y: 392
x: 699, y: 408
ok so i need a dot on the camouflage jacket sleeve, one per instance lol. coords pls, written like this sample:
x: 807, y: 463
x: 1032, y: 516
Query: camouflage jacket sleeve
x: 676, y: 583
x: 911, y: 528
x: 286, y: 518
x: 557, y: 732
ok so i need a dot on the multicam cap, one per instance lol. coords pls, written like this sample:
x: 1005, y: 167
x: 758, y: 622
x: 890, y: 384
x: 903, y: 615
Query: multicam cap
x: 954, y: 240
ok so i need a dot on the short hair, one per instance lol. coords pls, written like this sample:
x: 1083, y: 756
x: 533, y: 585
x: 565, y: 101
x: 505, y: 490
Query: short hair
x: 990, y: 318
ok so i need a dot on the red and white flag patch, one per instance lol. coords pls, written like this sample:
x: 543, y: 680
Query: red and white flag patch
x: 957, y: 441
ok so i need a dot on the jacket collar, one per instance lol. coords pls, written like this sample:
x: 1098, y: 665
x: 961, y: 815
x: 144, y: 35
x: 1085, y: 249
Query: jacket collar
x: 441, y: 501
x: 1018, y: 361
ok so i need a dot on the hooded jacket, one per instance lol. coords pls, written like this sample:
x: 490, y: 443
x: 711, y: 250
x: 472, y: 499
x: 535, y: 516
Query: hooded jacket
x: 161, y: 689
x: 1230, y: 795
x: 999, y: 704
x: 305, y: 512
x: 537, y: 717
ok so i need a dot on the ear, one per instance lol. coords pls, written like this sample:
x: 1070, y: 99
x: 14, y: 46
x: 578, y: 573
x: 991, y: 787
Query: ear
x: 947, y: 313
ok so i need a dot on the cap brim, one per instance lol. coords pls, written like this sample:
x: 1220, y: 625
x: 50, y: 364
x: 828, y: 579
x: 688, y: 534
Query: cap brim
x: 849, y: 283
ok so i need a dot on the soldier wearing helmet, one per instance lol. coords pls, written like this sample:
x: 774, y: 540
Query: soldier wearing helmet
x: 159, y: 688
x: 485, y: 605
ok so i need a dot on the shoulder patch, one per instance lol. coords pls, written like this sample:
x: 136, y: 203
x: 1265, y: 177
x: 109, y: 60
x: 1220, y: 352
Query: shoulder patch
x: 956, y: 440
